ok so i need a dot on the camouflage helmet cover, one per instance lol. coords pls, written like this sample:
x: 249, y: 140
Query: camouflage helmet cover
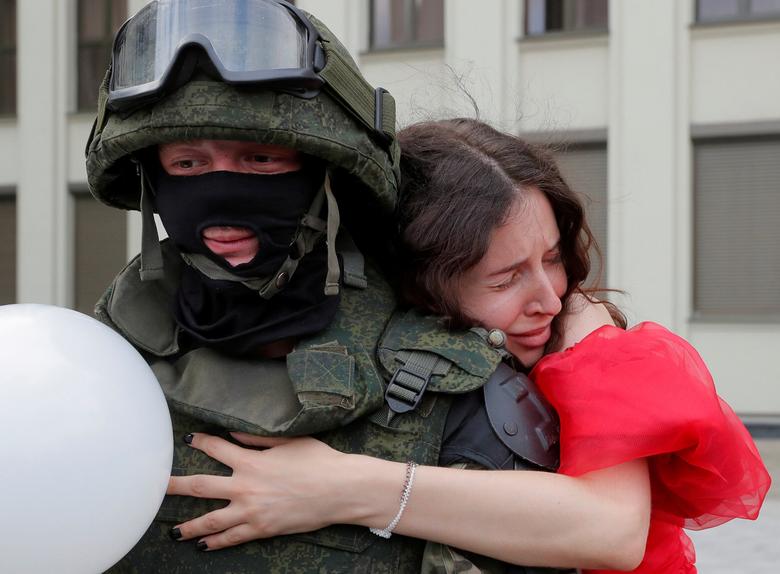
x: 323, y: 126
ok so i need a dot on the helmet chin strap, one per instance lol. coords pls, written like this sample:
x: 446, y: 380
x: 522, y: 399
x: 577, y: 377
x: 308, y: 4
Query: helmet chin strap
x: 310, y: 231
x: 151, y: 254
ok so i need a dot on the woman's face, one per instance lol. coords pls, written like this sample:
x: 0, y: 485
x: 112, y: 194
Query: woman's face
x: 517, y: 286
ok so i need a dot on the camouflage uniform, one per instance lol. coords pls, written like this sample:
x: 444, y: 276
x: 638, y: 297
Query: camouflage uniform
x: 333, y: 384
x: 329, y: 385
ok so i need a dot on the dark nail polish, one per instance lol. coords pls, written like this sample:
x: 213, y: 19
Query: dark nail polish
x: 175, y: 533
x: 201, y: 545
x: 188, y: 438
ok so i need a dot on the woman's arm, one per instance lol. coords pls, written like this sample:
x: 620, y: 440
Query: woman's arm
x: 598, y: 520
x: 583, y: 317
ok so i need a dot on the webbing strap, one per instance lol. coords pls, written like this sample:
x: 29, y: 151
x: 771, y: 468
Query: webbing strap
x: 151, y: 254
x: 374, y: 107
x: 411, y: 378
x: 354, y: 273
x: 332, y: 230
x: 408, y: 383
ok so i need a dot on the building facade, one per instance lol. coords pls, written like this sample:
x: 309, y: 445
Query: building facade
x: 664, y: 113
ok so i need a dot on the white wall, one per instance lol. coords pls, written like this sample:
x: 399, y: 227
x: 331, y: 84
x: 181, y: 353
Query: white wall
x: 743, y: 361
x: 644, y: 150
x: 734, y: 73
x: 420, y: 84
x: 42, y: 221
x: 78, y: 128
x: 644, y: 84
x: 563, y: 84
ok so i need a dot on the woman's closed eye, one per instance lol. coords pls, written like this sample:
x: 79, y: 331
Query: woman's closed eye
x: 553, y: 258
x: 508, y: 282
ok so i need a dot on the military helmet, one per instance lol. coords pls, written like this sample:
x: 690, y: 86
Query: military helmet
x: 323, y: 107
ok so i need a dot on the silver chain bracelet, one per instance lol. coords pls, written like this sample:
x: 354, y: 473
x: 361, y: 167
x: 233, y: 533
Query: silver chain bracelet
x: 387, y: 531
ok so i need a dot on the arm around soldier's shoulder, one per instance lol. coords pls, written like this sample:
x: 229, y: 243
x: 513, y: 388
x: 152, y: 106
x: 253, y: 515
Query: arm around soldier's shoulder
x: 584, y: 315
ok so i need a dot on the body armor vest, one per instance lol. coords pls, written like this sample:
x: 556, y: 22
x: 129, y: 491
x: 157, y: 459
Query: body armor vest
x: 328, y: 386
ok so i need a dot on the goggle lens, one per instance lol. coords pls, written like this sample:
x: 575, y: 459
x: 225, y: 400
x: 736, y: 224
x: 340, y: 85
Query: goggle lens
x: 246, y: 40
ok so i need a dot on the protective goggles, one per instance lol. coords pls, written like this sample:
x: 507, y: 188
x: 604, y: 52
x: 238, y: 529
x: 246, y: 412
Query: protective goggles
x: 258, y: 42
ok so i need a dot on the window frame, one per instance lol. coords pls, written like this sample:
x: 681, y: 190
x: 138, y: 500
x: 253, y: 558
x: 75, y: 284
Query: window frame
x: 599, y: 260
x: 411, y: 22
x: 734, y: 135
x: 563, y: 33
x: 11, y: 49
x: 76, y: 194
x: 107, y: 42
x: 559, y: 142
x: 743, y: 16
x: 9, y: 193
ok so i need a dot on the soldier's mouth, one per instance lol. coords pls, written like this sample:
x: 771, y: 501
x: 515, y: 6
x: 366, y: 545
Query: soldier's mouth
x: 237, y: 245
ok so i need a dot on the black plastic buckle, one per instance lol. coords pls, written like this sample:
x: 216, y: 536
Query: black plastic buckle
x: 379, y: 108
x: 405, y: 390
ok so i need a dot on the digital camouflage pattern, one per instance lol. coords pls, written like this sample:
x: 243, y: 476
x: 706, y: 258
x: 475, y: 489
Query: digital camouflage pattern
x: 320, y: 126
x: 413, y: 330
x: 346, y: 384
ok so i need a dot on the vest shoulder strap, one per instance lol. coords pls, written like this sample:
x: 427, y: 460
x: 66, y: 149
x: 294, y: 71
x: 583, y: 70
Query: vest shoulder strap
x: 354, y: 273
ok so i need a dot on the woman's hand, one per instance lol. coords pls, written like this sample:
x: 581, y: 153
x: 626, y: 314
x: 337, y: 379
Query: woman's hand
x: 598, y: 520
x: 289, y: 487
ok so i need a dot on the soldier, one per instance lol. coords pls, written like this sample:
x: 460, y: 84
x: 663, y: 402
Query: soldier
x: 247, y: 126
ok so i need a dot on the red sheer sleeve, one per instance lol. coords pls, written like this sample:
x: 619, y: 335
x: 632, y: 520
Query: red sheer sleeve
x: 646, y: 393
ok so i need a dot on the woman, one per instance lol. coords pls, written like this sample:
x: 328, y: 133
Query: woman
x: 480, y: 256
x: 621, y: 395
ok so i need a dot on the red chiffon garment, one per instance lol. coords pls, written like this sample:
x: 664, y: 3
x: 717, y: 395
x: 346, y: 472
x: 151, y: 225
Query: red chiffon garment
x: 646, y: 393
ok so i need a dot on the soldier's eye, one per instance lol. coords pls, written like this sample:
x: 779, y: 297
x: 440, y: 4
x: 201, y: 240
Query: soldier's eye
x: 185, y: 164
x: 261, y: 158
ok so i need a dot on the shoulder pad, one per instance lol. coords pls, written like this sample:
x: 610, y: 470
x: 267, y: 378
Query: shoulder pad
x: 522, y: 418
x: 140, y: 310
x: 471, y: 358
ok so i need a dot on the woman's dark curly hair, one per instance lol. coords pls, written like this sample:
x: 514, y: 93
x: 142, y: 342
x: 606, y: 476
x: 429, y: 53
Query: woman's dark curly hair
x: 460, y: 179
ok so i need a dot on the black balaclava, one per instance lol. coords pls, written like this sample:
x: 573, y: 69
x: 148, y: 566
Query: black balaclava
x: 229, y: 315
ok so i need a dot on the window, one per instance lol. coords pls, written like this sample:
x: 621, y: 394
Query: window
x: 7, y: 57
x: 7, y: 249
x: 729, y: 10
x: 545, y: 16
x: 407, y: 23
x: 584, y: 167
x: 100, y: 249
x: 737, y: 236
x: 98, y: 21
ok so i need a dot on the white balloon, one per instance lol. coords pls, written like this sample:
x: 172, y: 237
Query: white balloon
x: 85, y: 443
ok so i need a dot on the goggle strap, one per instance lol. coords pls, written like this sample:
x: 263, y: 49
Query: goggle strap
x: 358, y: 95
x: 151, y: 254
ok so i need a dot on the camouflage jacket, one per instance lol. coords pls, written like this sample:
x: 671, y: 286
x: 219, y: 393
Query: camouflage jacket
x: 329, y: 386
